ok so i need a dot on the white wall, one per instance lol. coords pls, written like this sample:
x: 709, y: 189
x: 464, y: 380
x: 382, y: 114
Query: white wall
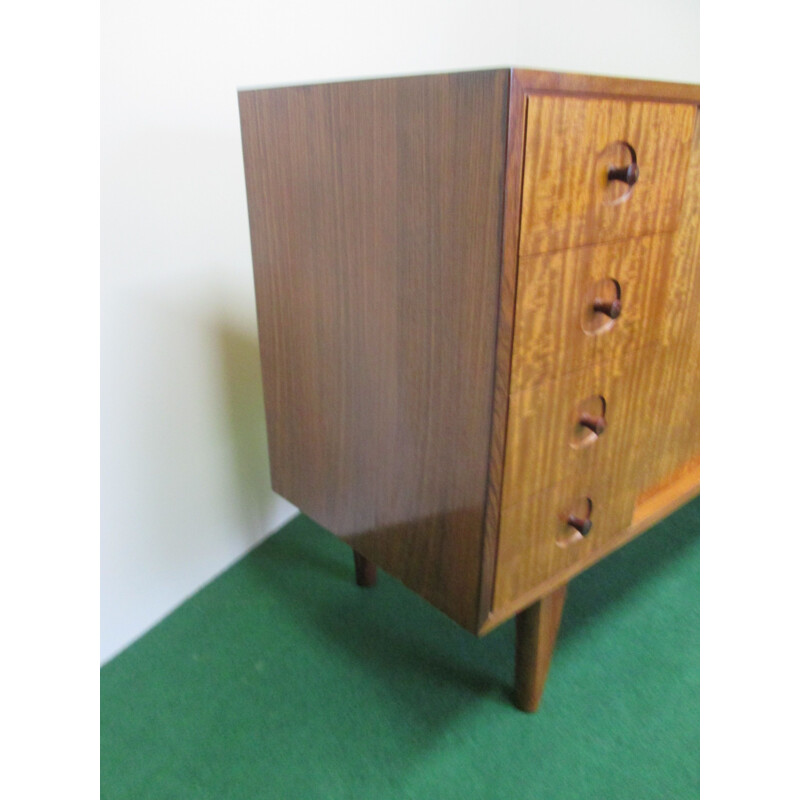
x: 185, y: 481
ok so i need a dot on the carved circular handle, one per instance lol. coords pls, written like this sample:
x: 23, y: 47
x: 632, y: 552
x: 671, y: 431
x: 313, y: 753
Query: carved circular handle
x: 575, y: 522
x: 602, y: 305
x: 595, y: 423
x: 629, y: 174
x: 611, y: 308
x: 581, y: 524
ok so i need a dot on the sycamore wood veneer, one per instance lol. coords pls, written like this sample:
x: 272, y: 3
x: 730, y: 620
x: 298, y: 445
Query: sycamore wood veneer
x: 478, y: 312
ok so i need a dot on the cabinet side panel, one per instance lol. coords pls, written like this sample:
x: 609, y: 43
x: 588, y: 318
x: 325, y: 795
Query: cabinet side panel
x: 375, y: 218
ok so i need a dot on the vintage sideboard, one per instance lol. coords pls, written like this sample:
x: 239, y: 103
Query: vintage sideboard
x: 478, y: 313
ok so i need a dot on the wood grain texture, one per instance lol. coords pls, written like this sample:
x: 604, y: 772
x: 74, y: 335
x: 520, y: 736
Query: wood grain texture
x: 674, y: 399
x: 529, y: 550
x: 376, y: 227
x: 648, y: 511
x: 537, y: 632
x: 660, y: 501
x: 541, y: 349
x: 565, y: 196
x: 555, y: 293
x: 533, y: 81
x: 546, y: 444
x: 425, y: 250
x: 636, y: 479
x: 505, y: 331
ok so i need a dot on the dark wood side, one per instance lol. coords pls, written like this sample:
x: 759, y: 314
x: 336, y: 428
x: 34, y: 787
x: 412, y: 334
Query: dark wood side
x: 376, y: 229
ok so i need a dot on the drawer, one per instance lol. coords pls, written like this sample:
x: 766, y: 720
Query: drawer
x: 570, y: 145
x: 559, y: 323
x: 546, y: 442
x: 536, y: 542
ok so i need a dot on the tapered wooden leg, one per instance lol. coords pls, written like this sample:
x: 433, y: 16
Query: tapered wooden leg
x: 366, y: 571
x: 537, y: 630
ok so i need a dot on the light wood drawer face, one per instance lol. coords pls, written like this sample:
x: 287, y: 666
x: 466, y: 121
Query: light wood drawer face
x: 571, y: 143
x: 672, y: 408
x: 534, y: 542
x: 558, y: 330
x: 547, y: 445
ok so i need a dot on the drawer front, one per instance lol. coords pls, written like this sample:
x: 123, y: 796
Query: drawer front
x: 594, y: 422
x: 589, y: 305
x: 572, y: 143
x: 537, y: 542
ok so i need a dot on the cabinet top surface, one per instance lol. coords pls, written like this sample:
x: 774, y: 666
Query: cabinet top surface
x: 531, y: 80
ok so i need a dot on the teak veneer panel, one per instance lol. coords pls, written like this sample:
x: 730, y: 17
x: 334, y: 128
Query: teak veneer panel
x: 636, y: 479
x: 543, y: 473
x: 674, y: 399
x: 376, y: 212
x: 528, y: 561
x: 554, y: 301
x: 651, y: 508
x: 543, y: 425
x: 564, y: 186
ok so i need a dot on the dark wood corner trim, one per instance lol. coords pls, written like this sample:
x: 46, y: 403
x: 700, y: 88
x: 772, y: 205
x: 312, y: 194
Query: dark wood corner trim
x: 515, y: 130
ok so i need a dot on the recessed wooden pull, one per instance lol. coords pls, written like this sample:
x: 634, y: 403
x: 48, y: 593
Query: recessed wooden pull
x: 611, y: 308
x: 575, y: 522
x: 595, y: 423
x: 629, y: 174
x: 581, y: 524
x: 590, y: 422
x: 602, y: 305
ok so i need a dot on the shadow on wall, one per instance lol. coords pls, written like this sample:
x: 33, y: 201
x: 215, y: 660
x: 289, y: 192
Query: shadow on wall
x: 186, y: 460
x: 240, y: 368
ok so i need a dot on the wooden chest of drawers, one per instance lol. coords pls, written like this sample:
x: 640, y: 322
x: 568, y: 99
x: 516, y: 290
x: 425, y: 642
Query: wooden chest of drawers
x: 478, y: 312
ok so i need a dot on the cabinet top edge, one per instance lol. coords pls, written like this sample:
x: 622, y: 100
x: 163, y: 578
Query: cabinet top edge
x: 534, y: 81
x: 376, y: 79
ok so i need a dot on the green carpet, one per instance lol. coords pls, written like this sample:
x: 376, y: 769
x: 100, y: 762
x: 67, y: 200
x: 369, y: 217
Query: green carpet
x: 283, y: 679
